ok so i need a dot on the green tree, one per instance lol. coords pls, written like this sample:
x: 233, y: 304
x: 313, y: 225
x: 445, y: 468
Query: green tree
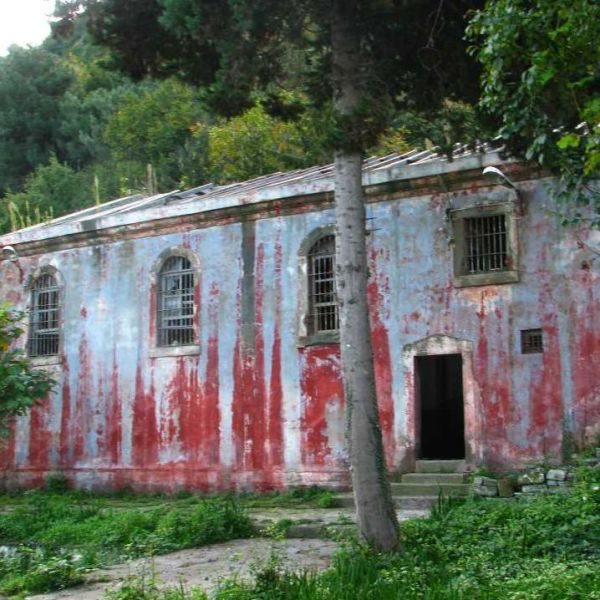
x: 361, y: 59
x: 257, y: 143
x: 154, y: 125
x: 541, y: 86
x: 51, y: 190
x: 21, y: 386
x: 32, y: 85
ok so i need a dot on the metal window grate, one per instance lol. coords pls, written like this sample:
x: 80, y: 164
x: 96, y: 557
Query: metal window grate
x: 176, y: 303
x: 321, y: 280
x: 44, y: 317
x: 485, y: 244
x: 532, y: 341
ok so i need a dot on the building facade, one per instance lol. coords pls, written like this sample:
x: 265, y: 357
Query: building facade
x: 193, y: 335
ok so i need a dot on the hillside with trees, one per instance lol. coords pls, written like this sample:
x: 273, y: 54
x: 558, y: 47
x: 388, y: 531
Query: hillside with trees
x: 86, y: 117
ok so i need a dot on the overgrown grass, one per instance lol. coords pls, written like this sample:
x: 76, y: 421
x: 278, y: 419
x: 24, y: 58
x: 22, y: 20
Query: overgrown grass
x: 544, y: 549
x: 309, y: 497
x: 302, y: 497
x: 51, y: 539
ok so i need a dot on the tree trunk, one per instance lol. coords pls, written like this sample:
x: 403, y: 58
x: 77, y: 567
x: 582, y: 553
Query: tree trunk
x: 376, y: 517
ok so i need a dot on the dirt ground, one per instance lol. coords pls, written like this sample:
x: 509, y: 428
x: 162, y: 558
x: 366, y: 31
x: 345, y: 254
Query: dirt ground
x: 206, y: 566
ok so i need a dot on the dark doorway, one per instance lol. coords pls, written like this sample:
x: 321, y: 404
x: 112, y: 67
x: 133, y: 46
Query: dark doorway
x: 441, y: 406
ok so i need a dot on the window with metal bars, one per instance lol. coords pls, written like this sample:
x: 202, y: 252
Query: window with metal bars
x: 175, y: 318
x: 322, y: 301
x: 532, y: 341
x: 44, y: 317
x: 485, y: 244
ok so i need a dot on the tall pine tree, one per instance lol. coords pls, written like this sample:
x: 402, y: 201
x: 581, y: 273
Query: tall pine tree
x: 359, y: 60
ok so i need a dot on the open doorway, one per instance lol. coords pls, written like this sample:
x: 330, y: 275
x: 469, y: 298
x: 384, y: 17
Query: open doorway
x: 441, y: 407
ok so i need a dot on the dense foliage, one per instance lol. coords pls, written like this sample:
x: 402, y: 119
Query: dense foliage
x: 98, y: 112
x: 21, y: 386
x: 541, y: 84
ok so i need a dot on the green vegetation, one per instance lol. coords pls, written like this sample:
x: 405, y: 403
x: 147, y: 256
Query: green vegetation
x: 547, y: 548
x: 20, y: 386
x: 96, y: 112
x: 307, y: 497
x: 544, y: 549
x: 54, y: 538
x: 540, y: 85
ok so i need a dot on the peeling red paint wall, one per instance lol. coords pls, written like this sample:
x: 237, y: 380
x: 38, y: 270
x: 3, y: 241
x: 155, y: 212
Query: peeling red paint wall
x: 251, y: 407
x: 321, y: 386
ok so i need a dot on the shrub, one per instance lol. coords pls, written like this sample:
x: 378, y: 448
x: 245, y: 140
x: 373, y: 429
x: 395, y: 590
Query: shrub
x: 56, y: 483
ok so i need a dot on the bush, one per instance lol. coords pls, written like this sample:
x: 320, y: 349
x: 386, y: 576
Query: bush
x: 20, y: 386
x: 35, y: 572
x: 56, y: 483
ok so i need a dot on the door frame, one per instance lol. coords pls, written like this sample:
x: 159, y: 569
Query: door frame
x: 419, y: 406
x: 434, y: 345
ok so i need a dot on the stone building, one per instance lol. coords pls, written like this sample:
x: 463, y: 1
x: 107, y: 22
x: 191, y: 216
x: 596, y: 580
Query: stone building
x: 194, y: 338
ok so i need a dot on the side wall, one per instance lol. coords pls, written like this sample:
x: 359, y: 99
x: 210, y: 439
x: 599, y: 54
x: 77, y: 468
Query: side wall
x: 253, y: 410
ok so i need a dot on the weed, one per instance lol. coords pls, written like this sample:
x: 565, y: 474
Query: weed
x: 47, y: 531
x: 278, y: 529
x: 146, y: 586
x: 56, y: 483
x: 546, y: 549
x: 32, y: 571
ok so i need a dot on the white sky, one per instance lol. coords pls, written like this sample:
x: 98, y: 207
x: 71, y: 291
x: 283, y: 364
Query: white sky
x: 24, y: 22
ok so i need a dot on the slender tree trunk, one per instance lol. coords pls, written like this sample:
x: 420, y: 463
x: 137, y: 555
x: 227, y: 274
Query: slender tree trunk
x: 376, y: 517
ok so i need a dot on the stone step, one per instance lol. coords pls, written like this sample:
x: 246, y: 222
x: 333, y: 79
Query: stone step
x: 440, y: 466
x: 419, y: 503
x: 430, y: 489
x: 433, y: 478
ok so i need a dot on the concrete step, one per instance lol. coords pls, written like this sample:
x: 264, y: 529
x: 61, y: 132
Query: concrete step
x: 433, y: 478
x: 415, y: 502
x: 430, y: 489
x: 418, y: 503
x: 440, y: 466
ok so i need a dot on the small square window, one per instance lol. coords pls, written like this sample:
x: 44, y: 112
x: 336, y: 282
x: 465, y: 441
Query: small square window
x: 485, y: 247
x: 532, y: 341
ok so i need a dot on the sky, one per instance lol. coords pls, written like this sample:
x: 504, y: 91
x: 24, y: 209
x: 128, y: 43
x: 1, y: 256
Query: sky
x: 23, y: 22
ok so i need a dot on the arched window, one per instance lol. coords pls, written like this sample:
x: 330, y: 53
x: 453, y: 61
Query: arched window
x: 175, y: 304
x: 322, y: 297
x: 44, y: 317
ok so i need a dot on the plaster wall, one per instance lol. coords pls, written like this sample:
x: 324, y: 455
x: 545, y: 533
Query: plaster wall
x: 253, y: 409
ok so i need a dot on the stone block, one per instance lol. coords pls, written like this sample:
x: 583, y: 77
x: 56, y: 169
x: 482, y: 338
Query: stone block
x: 532, y: 477
x: 534, y: 489
x: 484, y: 481
x: 506, y: 487
x: 556, y: 475
x: 486, y: 491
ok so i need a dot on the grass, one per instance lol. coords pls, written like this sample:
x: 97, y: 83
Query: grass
x: 544, y: 549
x: 52, y: 539
x: 547, y: 548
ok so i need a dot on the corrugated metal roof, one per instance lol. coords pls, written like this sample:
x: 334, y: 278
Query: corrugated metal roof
x: 137, y: 208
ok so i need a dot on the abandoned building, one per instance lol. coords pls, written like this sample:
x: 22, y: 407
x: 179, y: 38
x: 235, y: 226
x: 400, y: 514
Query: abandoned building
x: 193, y: 335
